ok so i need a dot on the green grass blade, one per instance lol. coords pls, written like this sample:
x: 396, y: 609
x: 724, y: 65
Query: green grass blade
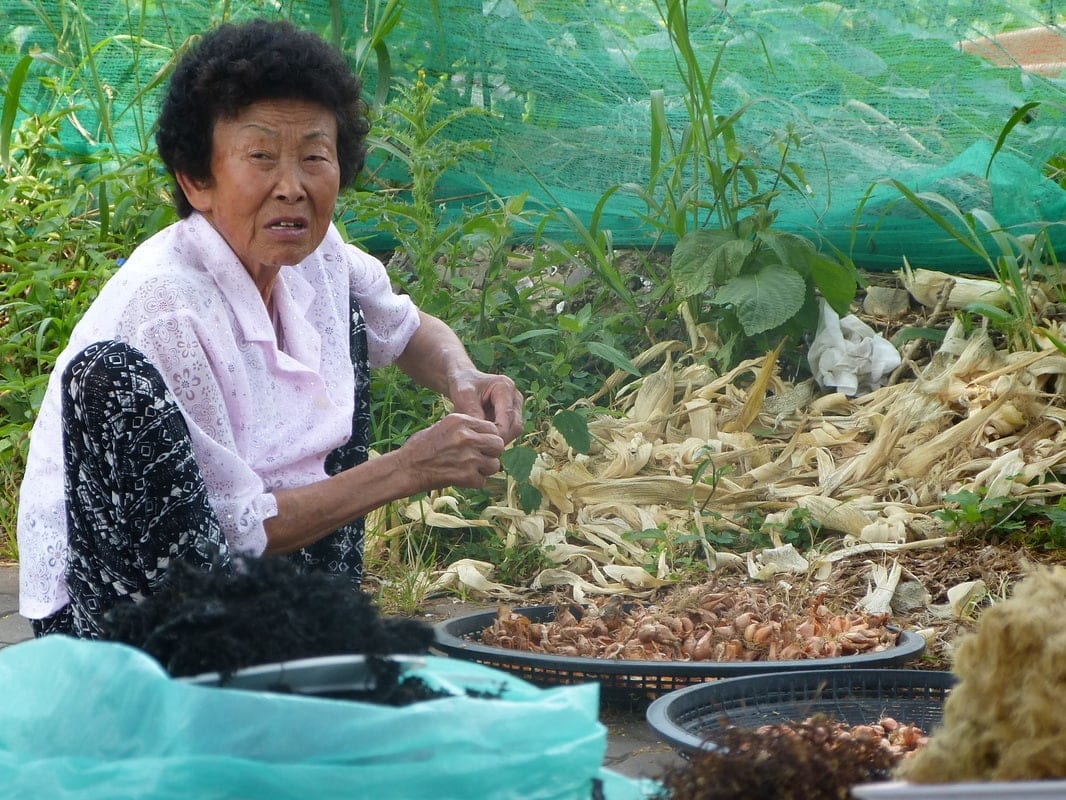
x: 381, y: 91
x: 925, y: 201
x: 105, y: 210
x: 11, y: 106
x: 660, y: 130
x: 1018, y: 116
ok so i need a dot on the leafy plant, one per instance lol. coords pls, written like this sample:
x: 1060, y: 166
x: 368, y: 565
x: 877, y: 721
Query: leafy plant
x: 407, y: 157
x: 518, y: 461
x: 759, y: 285
x: 402, y: 567
x: 1016, y: 258
x: 65, y: 222
x: 1005, y: 518
x: 973, y: 510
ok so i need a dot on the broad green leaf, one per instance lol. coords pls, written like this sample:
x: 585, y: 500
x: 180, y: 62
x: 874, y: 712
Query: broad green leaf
x: 791, y: 250
x: 728, y: 260
x: 614, y: 356
x: 518, y: 462
x: 837, y: 282
x: 575, y: 429
x: 569, y: 323
x: 529, y: 497
x: 765, y: 299
x: 700, y: 257
x: 483, y: 352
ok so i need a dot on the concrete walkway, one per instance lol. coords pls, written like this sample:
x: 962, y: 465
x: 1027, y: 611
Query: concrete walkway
x: 13, y: 628
x: 632, y: 747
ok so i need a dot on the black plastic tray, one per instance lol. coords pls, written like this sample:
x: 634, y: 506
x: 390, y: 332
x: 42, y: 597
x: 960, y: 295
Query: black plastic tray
x: 688, y: 718
x: 459, y: 638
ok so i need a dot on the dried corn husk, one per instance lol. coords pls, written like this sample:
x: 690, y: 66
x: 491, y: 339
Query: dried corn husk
x: 835, y: 515
x: 926, y: 286
x: 777, y: 560
x: 686, y: 453
x: 470, y: 575
x: 881, y: 586
x: 430, y: 514
x: 963, y: 599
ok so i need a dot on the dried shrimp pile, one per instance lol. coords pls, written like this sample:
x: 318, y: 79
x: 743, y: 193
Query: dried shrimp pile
x: 900, y: 739
x: 699, y: 624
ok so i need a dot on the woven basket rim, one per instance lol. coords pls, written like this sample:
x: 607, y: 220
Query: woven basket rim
x: 452, y: 638
x: 686, y: 718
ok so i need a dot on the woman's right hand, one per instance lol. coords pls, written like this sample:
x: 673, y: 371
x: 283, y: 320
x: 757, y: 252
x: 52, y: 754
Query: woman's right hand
x: 459, y: 450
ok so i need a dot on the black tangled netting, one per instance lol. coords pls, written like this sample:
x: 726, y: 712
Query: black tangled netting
x: 259, y: 611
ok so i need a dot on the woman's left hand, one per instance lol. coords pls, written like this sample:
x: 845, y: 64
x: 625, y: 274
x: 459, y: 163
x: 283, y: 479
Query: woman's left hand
x: 491, y: 397
x: 436, y: 358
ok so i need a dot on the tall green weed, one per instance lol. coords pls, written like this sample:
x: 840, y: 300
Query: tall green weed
x: 713, y: 192
x: 64, y: 225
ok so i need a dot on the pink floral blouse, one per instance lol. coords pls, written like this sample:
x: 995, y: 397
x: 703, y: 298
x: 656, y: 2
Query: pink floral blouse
x: 261, y: 417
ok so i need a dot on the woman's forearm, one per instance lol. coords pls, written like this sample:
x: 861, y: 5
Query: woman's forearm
x: 435, y: 358
x: 307, y: 513
x: 459, y: 450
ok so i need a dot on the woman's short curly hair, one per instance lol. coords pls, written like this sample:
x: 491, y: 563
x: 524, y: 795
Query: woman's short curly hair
x: 236, y: 65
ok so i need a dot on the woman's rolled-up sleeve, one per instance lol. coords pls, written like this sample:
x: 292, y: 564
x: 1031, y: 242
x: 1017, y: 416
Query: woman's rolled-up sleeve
x: 391, y: 318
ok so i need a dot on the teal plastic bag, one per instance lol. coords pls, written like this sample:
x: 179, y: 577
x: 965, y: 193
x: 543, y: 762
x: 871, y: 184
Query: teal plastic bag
x: 102, y: 721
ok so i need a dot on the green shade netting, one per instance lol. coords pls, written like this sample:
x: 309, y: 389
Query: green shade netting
x: 871, y: 90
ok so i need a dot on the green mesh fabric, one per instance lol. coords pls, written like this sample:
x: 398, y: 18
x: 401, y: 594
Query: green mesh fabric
x: 874, y: 90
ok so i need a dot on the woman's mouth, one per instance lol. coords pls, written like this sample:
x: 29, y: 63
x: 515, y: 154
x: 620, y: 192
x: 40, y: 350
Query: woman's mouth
x: 287, y: 225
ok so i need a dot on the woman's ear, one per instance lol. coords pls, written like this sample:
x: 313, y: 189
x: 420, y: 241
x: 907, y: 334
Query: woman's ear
x: 198, y: 192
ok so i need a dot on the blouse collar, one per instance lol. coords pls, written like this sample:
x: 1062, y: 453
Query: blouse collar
x: 292, y: 293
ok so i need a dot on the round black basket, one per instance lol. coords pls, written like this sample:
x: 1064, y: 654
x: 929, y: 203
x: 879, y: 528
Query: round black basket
x: 688, y: 718
x: 460, y: 638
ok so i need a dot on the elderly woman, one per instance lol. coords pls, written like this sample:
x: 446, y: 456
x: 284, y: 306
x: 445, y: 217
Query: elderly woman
x: 213, y: 400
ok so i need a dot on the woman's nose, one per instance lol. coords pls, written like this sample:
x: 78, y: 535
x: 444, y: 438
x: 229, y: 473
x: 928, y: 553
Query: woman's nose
x: 289, y: 186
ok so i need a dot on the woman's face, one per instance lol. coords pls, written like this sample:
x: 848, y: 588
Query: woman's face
x: 273, y: 185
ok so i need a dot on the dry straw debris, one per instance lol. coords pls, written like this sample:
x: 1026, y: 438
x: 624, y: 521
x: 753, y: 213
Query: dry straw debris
x: 682, y: 440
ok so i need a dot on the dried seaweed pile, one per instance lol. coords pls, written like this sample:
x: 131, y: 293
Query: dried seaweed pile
x: 259, y: 611
x: 809, y: 760
x: 682, y: 441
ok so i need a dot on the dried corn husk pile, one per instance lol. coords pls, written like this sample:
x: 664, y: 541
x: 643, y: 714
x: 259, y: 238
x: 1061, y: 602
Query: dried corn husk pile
x: 683, y: 441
